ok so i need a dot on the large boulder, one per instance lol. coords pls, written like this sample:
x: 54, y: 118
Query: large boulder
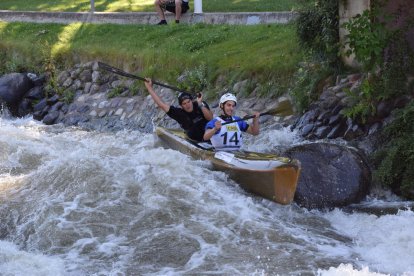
x: 13, y: 88
x: 332, y: 175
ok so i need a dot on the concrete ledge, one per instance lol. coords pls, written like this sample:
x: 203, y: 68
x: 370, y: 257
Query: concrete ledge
x: 242, y: 18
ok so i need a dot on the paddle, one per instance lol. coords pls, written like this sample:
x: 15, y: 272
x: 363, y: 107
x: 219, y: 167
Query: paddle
x: 283, y: 109
x: 117, y: 71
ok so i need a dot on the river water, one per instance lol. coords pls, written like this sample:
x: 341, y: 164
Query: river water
x: 74, y: 202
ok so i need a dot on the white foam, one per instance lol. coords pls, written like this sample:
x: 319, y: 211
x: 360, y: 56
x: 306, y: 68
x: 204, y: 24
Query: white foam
x: 269, y: 139
x: 348, y: 270
x: 103, y: 202
x: 21, y: 263
x: 384, y: 243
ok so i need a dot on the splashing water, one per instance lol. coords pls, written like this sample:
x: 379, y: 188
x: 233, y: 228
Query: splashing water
x: 86, y: 203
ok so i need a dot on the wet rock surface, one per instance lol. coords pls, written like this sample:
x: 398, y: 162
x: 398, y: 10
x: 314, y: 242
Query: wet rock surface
x: 332, y: 175
x: 325, y: 118
x: 13, y: 88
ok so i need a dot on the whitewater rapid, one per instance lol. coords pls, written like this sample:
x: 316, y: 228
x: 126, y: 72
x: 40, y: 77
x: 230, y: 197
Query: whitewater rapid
x: 76, y: 202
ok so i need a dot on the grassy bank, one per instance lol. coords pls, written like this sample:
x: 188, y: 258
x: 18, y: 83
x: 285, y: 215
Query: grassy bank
x: 146, y: 5
x: 263, y: 53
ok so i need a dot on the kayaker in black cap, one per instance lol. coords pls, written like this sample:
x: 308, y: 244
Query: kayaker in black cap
x: 192, y: 115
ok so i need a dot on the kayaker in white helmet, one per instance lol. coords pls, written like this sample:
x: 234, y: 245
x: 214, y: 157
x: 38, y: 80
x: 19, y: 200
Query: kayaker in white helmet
x: 228, y: 136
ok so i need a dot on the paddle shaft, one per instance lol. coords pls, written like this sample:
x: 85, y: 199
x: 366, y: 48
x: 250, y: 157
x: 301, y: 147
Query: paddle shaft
x: 244, y: 118
x: 128, y: 75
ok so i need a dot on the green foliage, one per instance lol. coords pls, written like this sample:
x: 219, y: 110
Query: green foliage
x: 115, y: 92
x: 317, y: 28
x: 367, y: 39
x: 248, y: 5
x: 12, y: 63
x: 267, y: 52
x: 195, y: 79
x: 395, y: 160
x: 398, y: 65
x: 145, y: 5
x: 134, y: 89
x: 68, y: 96
x: 318, y: 31
x: 364, y: 101
x: 380, y: 50
x: 308, y: 80
x: 194, y: 43
x: 49, y: 69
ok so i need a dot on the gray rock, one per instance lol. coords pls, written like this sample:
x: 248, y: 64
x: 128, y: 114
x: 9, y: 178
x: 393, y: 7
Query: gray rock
x: 36, y: 93
x: 307, y: 129
x: 68, y: 82
x: 96, y: 75
x: 62, y: 77
x: 352, y: 131
x: 335, y: 119
x: 94, y: 88
x: 40, y: 105
x: 52, y: 100
x: 87, y: 87
x: 51, y: 117
x: 308, y: 117
x: 86, y: 76
x: 73, y: 119
x: 13, y: 88
x: 327, y: 93
x: 76, y: 85
x: 75, y: 73
x: 331, y: 176
x: 337, y: 131
x: 324, y: 117
x: 322, y: 132
x: 83, y: 108
x: 24, y: 108
x: 57, y: 106
x: 374, y: 128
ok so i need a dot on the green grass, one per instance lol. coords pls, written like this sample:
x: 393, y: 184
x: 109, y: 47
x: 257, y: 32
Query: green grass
x: 146, y: 5
x: 263, y: 53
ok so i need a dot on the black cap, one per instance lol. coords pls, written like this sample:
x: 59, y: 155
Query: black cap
x: 184, y: 96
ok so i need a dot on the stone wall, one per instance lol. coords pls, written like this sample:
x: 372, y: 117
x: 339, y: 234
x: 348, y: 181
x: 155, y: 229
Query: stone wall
x: 93, y: 98
x: 234, y: 18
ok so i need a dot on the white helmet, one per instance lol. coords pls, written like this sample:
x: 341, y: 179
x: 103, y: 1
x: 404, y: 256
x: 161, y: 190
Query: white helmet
x: 228, y: 97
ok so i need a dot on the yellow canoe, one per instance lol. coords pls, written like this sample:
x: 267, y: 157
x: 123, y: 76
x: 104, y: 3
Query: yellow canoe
x: 266, y: 175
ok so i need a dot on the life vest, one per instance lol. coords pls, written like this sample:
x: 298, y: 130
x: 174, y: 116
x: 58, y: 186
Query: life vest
x: 229, y: 138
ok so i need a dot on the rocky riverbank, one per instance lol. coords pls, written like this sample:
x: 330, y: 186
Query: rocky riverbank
x: 92, y: 98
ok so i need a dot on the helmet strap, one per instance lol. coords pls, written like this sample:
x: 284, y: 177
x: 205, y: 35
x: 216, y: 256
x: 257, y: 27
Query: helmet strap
x: 225, y: 115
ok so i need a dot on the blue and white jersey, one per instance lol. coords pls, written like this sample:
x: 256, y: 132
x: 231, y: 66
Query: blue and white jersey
x: 229, y: 137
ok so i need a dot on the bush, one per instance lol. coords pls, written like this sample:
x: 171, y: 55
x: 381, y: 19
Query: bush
x: 384, y: 53
x: 395, y: 160
x: 317, y: 28
x: 309, y: 81
x: 367, y: 39
x: 194, y: 80
x: 364, y: 101
x: 398, y: 65
x: 115, y: 92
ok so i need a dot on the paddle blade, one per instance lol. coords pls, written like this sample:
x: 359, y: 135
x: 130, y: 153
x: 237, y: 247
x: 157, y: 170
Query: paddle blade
x: 118, y: 71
